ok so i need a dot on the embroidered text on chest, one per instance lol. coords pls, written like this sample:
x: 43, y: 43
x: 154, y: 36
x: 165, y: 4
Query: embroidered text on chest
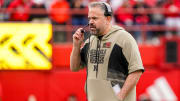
x: 94, y: 55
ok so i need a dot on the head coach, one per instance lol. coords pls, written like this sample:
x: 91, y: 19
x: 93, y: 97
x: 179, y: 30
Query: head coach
x: 111, y: 56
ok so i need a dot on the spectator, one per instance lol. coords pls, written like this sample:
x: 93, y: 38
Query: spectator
x: 172, y: 19
x: 39, y: 16
x: 59, y: 14
x: 125, y: 18
x: 47, y: 4
x: 19, y: 10
x: 4, y: 16
x: 1, y: 3
x: 141, y: 18
x: 4, y: 3
x: 78, y: 19
x: 59, y: 11
x: 1, y: 13
x: 158, y: 18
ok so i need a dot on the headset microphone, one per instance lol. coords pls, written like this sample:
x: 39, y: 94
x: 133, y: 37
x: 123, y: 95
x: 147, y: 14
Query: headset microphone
x: 83, y: 30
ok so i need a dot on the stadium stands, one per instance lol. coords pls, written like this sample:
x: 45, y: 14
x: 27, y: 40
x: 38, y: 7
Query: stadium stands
x: 156, y: 18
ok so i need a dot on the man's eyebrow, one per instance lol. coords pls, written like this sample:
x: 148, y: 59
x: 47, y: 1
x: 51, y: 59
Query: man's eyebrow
x: 92, y: 17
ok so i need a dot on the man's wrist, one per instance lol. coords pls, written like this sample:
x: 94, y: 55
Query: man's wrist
x: 76, y: 47
x: 121, y: 98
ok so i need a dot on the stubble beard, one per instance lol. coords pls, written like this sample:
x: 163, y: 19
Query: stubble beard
x: 95, y: 32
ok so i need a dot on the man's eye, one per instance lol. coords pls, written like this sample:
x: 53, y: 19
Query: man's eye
x: 94, y: 18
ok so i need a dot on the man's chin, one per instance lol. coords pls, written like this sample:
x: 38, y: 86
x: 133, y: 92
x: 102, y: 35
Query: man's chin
x: 93, y: 33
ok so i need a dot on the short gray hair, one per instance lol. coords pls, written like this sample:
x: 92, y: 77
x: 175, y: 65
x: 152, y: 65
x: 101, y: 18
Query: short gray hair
x: 101, y: 5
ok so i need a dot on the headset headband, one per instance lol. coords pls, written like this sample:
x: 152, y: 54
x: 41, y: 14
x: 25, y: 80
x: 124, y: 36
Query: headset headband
x: 108, y: 10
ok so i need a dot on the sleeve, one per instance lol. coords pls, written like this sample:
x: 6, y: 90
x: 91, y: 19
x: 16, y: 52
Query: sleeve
x: 84, y: 54
x: 132, y: 54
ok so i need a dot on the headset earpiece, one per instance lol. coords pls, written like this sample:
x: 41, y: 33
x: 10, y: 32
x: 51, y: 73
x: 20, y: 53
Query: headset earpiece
x: 108, y: 10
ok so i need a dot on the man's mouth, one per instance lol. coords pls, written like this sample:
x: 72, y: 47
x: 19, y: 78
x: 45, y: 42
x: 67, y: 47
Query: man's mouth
x: 92, y: 27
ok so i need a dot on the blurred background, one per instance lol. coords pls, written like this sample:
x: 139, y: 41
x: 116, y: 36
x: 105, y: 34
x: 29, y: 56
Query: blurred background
x: 36, y: 42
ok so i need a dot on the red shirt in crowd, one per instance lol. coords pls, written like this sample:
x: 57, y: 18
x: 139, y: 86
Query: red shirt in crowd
x: 173, y: 9
x: 1, y: 3
x: 123, y: 17
x: 59, y: 11
x: 19, y: 10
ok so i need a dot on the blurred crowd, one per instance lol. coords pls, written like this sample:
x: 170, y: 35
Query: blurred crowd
x: 57, y: 12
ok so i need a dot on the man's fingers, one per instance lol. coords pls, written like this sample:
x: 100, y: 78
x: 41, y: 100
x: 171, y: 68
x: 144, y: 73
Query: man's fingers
x: 78, y: 38
x: 78, y: 34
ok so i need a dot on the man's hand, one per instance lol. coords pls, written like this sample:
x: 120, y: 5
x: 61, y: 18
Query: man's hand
x: 78, y: 38
x: 130, y: 82
x: 75, y: 58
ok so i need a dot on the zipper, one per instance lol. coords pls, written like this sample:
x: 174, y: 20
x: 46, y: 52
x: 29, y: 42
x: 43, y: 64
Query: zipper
x: 97, y: 55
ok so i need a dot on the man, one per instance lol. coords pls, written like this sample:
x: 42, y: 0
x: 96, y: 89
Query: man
x: 111, y: 56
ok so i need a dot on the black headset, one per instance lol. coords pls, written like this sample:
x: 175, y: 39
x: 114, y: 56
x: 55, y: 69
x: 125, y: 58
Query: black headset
x: 108, y: 10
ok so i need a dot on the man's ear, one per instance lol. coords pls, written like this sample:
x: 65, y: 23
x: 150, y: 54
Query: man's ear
x: 109, y: 18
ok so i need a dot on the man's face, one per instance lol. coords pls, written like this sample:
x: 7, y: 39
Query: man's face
x: 97, y: 21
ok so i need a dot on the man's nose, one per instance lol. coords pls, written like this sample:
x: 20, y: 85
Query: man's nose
x: 91, y: 22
